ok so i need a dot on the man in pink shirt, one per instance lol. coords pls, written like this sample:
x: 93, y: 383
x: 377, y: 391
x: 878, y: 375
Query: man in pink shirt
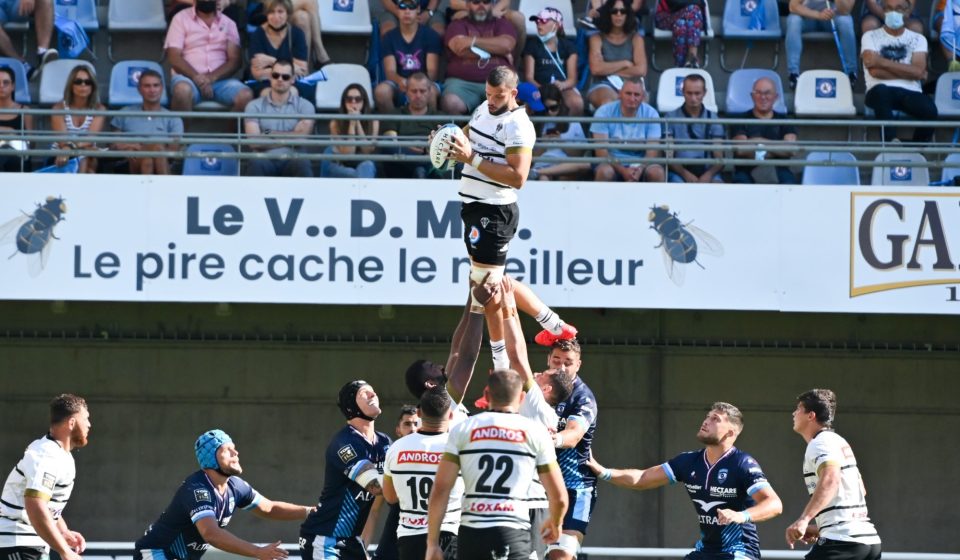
x: 203, y: 47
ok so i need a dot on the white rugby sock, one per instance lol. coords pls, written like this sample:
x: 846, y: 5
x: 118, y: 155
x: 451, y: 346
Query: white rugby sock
x: 500, y: 359
x: 549, y: 320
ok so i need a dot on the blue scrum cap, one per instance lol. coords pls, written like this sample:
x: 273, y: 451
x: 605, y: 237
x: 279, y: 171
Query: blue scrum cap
x: 207, y: 445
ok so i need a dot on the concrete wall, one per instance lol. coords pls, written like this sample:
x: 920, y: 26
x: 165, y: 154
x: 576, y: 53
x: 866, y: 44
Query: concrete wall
x: 150, y: 399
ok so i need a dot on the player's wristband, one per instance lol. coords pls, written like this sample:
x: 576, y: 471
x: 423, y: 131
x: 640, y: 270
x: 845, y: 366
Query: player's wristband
x: 746, y: 516
x: 558, y: 440
x: 607, y: 474
x: 476, y: 160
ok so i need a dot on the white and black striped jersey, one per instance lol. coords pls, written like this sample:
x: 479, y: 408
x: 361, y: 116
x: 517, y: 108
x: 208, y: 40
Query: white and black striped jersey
x: 845, y: 518
x: 411, y: 465
x: 499, y: 454
x: 47, y: 472
x: 493, y: 137
x: 536, y: 408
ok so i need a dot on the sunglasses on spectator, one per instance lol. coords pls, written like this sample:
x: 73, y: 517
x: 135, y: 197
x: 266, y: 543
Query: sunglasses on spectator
x: 409, y: 6
x: 354, y: 98
x: 542, y: 21
x: 82, y: 82
x: 481, y: 1
x: 279, y: 76
x: 552, y: 106
x: 6, y: 83
x: 618, y: 11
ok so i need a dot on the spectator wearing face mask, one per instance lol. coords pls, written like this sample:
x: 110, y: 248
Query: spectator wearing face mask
x: 550, y: 58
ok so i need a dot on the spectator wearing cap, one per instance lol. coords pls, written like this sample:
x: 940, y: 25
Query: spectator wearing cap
x: 628, y: 129
x: 265, y: 118
x: 410, y: 48
x: 551, y: 58
x: 203, y: 47
x: 474, y: 45
x: 528, y: 95
x: 566, y: 131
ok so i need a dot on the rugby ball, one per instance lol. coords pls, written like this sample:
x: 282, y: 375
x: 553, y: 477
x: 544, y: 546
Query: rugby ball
x: 442, y: 139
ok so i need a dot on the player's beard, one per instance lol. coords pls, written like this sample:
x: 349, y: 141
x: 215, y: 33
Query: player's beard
x: 230, y: 470
x: 707, y: 439
x: 77, y: 438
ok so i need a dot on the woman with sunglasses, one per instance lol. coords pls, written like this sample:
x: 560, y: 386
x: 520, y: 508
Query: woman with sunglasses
x: 277, y: 40
x: 354, y: 101
x: 685, y: 19
x: 553, y: 102
x: 15, y: 122
x: 616, y: 52
x: 79, y: 94
x: 551, y: 58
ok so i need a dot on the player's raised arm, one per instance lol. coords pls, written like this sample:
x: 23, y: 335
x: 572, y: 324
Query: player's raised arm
x: 465, y: 346
x: 635, y: 479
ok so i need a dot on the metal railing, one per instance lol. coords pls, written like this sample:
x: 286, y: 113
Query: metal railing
x: 311, y: 147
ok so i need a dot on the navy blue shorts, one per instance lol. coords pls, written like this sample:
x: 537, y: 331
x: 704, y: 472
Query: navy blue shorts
x: 582, y: 501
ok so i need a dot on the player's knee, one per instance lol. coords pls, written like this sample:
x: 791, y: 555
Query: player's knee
x: 566, y: 548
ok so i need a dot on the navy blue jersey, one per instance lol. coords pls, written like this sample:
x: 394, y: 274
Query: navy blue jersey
x: 344, y: 504
x: 727, y: 484
x: 176, y: 534
x: 582, y: 407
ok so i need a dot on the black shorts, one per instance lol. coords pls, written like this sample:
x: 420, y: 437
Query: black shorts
x: 319, y: 547
x: 414, y: 547
x: 488, y: 230
x: 502, y: 543
x: 827, y: 549
x: 21, y: 553
x: 537, y: 517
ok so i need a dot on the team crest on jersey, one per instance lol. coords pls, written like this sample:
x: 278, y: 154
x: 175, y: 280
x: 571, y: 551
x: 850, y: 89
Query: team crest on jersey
x: 484, y: 222
x: 498, y: 433
x: 201, y: 495
x: 721, y: 475
x: 49, y: 480
x: 474, y: 236
x: 346, y: 453
x: 421, y: 457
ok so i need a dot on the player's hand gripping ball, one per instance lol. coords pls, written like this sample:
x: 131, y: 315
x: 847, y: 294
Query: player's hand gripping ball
x: 442, y: 139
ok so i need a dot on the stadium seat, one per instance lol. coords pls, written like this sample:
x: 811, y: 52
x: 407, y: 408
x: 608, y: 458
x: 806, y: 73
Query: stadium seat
x: 737, y: 16
x: 831, y: 175
x: 667, y: 35
x: 21, y: 27
x: 345, y: 17
x: 947, y: 97
x: 124, y: 79
x: 824, y: 93
x: 901, y: 173
x: 84, y: 12
x: 134, y: 16
x: 670, y: 94
x: 339, y: 76
x: 951, y: 172
x: 210, y: 165
x: 740, y: 86
x: 532, y: 7
x: 22, y: 93
x: 53, y: 77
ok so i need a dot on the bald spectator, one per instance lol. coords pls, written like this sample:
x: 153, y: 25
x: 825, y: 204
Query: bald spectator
x: 765, y: 96
x: 203, y: 47
x: 475, y: 45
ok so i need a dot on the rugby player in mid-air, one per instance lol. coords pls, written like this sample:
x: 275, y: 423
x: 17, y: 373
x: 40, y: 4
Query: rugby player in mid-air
x: 204, y: 504
x: 727, y: 487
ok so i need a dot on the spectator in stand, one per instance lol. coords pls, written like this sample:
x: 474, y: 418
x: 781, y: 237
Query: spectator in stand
x: 551, y: 59
x: 475, y: 45
x: 872, y: 15
x: 230, y: 8
x: 631, y: 105
x: 815, y: 15
x: 947, y: 21
x: 16, y: 122
x: 413, y: 47
x: 79, y: 94
x: 764, y: 97
x: 616, y: 53
x: 354, y: 101
x: 166, y: 130
x: 430, y: 15
x: 694, y: 90
x: 554, y: 106
x: 459, y: 9
x: 593, y: 12
x: 277, y: 40
x: 280, y: 100
x: 419, y: 88
x: 203, y: 47
x: 685, y: 18
x: 17, y: 11
x: 895, y: 66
